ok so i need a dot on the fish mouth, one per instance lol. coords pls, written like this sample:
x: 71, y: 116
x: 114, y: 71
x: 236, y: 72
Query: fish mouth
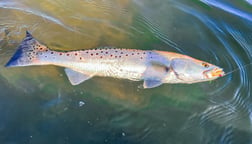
x: 217, y: 72
x: 214, y: 73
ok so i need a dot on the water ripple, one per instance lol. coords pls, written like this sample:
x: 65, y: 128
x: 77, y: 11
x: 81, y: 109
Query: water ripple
x: 228, y: 8
x: 235, y: 106
x: 154, y: 27
x: 99, y: 20
x: 16, y: 6
x: 223, y: 112
x: 222, y: 37
x: 227, y: 136
x: 212, y: 25
x: 155, y: 30
x: 230, y: 99
x: 241, y: 39
x: 249, y: 2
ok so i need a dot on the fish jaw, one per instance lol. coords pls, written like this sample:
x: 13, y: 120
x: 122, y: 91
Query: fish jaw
x: 214, y: 73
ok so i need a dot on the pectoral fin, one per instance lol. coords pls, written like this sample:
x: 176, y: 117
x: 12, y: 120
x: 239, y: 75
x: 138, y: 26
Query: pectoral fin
x: 76, y: 77
x: 154, y: 74
x: 151, y: 83
x: 156, y: 70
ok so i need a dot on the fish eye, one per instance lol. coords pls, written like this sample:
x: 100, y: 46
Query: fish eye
x: 205, y: 65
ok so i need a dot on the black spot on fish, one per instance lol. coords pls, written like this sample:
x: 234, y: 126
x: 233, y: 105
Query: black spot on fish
x: 167, y: 69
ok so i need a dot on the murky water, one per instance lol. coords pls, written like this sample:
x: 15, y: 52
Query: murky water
x: 39, y: 105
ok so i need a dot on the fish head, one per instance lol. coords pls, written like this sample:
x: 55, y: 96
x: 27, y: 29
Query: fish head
x: 190, y: 70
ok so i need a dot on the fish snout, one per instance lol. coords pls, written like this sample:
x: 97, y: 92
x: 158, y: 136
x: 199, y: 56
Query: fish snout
x: 214, y: 73
x: 217, y: 72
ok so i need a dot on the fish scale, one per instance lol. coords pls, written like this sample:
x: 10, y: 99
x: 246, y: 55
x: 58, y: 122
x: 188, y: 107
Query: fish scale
x: 99, y: 54
x: 120, y: 63
x: 151, y: 66
x: 112, y: 53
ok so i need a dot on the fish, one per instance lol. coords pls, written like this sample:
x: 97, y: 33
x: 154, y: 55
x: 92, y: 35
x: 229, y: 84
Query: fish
x: 153, y: 67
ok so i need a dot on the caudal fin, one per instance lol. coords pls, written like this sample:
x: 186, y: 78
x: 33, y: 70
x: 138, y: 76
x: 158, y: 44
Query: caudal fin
x: 27, y: 52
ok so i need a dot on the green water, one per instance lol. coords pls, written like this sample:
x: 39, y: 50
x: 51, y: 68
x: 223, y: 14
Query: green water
x: 39, y: 105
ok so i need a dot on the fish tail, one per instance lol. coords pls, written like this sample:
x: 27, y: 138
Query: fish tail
x: 27, y: 52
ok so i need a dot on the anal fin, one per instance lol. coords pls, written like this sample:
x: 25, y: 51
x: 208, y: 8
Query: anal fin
x: 151, y: 83
x: 75, y: 77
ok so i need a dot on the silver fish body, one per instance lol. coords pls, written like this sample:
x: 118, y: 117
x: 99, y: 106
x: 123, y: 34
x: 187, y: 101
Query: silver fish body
x: 153, y: 67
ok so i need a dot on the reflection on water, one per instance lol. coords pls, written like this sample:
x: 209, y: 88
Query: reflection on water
x: 38, y: 104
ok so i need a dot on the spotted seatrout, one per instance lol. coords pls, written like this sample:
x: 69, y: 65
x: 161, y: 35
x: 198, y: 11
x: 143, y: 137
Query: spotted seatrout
x: 152, y: 66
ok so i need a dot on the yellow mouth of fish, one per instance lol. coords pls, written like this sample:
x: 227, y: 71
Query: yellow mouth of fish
x: 217, y: 72
x: 214, y: 73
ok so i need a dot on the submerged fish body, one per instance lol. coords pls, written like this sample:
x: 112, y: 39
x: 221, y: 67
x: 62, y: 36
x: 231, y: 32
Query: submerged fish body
x: 153, y: 67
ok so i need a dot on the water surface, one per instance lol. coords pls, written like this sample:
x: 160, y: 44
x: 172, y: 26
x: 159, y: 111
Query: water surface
x: 39, y: 105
